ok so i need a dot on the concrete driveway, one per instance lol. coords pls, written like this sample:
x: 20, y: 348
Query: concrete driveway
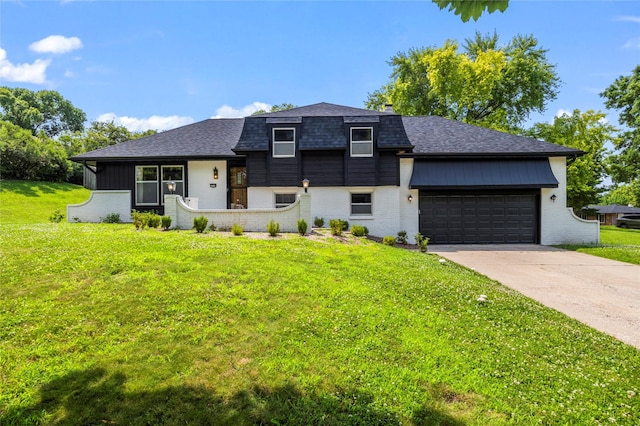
x: 602, y: 293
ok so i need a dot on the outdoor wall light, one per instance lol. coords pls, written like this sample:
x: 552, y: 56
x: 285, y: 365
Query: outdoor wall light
x: 215, y: 173
x: 553, y: 198
x: 410, y: 198
x: 305, y: 184
x: 171, y: 186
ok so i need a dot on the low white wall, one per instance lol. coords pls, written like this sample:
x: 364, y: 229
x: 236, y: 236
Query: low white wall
x: 251, y: 220
x: 558, y: 223
x: 99, y: 205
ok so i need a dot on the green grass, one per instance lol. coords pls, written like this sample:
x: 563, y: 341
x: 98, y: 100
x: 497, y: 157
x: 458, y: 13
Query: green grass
x: 34, y: 202
x: 615, y: 243
x: 100, y: 323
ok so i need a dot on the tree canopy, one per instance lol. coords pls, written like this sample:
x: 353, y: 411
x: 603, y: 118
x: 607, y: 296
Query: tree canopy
x: 45, y: 110
x: 588, y: 132
x: 485, y: 84
x: 472, y: 9
x: 99, y: 134
x: 276, y: 108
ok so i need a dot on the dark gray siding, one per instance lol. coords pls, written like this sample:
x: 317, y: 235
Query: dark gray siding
x: 115, y: 176
x: 284, y: 172
x: 361, y: 171
x: 257, y: 169
x: 323, y: 168
x: 388, y: 169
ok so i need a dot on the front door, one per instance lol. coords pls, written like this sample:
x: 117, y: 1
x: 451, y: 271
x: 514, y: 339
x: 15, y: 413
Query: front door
x: 238, y: 188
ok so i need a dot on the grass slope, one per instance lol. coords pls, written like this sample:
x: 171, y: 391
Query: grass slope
x: 101, y: 324
x: 615, y: 243
x: 34, y: 202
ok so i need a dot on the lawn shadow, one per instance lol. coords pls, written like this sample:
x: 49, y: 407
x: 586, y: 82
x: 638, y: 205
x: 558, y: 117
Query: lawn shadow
x: 95, y: 397
x: 35, y: 188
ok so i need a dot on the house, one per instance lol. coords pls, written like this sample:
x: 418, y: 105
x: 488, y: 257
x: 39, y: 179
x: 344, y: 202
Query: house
x: 453, y: 182
x: 607, y: 215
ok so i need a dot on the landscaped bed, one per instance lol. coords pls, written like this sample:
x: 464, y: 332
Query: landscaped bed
x: 104, y: 324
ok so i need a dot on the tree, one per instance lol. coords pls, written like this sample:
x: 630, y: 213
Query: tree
x: 275, y: 108
x: 485, y: 84
x: 100, y: 134
x: 27, y: 157
x: 45, y: 110
x: 586, y: 131
x: 472, y: 9
x: 624, y: 95
x: 624, y: 194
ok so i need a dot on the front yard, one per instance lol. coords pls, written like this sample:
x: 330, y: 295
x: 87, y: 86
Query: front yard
x: 615, y: 243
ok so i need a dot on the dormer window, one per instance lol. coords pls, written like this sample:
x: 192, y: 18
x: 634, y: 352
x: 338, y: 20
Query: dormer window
x: 284, y: 143
x: 362, y: 141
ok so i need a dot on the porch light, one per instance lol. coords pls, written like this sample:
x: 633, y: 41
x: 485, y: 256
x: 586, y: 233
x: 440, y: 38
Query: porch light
x: 305, y: 184
x: 553, y: 198
x: 410, y: 198
x: 171, y: 186
x: 215, y: 173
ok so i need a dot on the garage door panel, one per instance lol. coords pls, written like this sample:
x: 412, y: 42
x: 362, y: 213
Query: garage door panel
x: 479, y: 218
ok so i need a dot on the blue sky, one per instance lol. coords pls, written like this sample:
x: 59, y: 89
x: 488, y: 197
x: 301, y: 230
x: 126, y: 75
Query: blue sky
x: 161, y: 64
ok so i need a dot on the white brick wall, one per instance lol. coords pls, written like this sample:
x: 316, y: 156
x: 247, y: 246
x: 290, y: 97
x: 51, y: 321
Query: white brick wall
x: 100, y: 204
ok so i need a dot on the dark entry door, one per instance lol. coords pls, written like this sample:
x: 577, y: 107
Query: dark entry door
x: 479, y: 218
x: 238, y: 187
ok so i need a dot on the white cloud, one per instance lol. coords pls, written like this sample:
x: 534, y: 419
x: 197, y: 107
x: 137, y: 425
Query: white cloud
x: 23, y: 73
x: 56, y: 44
x: 155, y: 122
x: 225, y: 111
x: 634, y: 43
x: 629, y: 19
x: 69, y: 74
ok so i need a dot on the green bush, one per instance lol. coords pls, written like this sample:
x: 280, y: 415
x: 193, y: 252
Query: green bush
x: 112, y: 218
x: 213, y: 227
x: 200, y: 224
x: 140, y: 219
x: 56, y: 217
x: 153, y: 220
x: 422, y: 242
x: 402, y: 237
x: 318, y: 222
x: 236, y: 229
x: 358, y: 231
x: 302, y: 226
x: 273, y: 228
x: 388, y: 240
x: 166, y: 222
x: 336, y: 227
x: 345, y: 225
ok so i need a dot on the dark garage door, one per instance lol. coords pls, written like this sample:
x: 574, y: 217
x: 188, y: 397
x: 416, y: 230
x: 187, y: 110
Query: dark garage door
x: 479, y: 218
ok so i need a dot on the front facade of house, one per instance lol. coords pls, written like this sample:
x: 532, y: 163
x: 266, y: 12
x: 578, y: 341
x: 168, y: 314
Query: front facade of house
x: 453, y: 182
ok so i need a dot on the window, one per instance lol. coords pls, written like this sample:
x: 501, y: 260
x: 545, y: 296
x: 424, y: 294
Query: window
x: 283, y: 200
x: 362, y: 141
x: 146, y: 185
x: 284, y: 142
x: 361, y: 205
x: 173, y: 173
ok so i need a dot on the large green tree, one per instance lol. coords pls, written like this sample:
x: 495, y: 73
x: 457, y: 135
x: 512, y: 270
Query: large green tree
x: 485, y: 83
x: 624, y: 95
x: 45, y: 110
x: 472, y: 8
x: 588, y: 132
x: 276, y: 108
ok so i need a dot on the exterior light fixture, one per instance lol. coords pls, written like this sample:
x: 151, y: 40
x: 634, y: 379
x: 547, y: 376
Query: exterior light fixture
x: 553, y: 198
x: 215, y: 173
x: 305, y: 184
x: 410, y: 198
x: 171, y: 186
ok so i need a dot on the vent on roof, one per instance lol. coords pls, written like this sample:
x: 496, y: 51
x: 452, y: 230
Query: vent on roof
x: 388, y: 107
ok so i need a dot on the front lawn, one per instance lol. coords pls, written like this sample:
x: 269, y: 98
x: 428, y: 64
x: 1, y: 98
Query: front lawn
x: 615, y: 243
x: 101, y: 324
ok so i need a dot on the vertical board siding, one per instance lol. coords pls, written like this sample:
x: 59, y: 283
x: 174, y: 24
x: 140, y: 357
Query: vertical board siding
x: 323, y: 168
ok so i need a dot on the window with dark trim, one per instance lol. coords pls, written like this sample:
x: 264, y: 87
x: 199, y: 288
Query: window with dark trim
x: 147, y: 185
x: 362, y: 141
x: 283, y: 200
x: 361, y: 205
x: 284, y: 143
x: 175, y: 174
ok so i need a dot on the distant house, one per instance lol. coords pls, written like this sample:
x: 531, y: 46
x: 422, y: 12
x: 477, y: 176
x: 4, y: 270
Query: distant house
x: 607, y: 215
x: 453, y: 182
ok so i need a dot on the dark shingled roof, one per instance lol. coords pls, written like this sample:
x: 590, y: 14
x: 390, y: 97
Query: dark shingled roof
x: 324, y: 109
x: 615, y: 209
x: 205, y: 139
x: 323, y: 133
x: 433, y: 135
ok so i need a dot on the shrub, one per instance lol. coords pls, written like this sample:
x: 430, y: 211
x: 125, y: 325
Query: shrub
x: 112, y: 218
x: 318, y: 222
x: 56, y: 217
x: 236, y: 229
x: 388, y: 240
x: 422, y: 242
x: 336, y: 227
x: 200, y: 224
x: 272, y: 228
x: 166, y: 222
x: 153, y: 220
x: 139, y: 219
x: 345, y: 225
x: 366, y: 230
x: 302, y: 226
x: 212, y: 227
x: 358, y: 231
x: 402, y: 237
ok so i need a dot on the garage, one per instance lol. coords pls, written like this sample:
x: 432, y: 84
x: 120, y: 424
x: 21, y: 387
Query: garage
x: 479, y: 218
x: 485, y: 201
